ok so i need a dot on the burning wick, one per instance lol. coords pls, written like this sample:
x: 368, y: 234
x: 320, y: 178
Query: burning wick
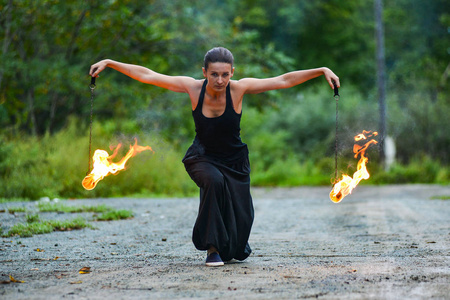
x: 103, y: 165
x: 346, y: 185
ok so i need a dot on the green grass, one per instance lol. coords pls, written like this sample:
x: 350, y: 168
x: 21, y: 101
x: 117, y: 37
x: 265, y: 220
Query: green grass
x: 29, y: 229
x: 34, y: 224
x: 115, y: 215
x: 42, y: 227
x: 18, y: 209
x: 74, y: 224
x: 14, y: 199
x: 32, y: 218
x: 444, y: 197
x: 107, y: 213
x: 59, y: 207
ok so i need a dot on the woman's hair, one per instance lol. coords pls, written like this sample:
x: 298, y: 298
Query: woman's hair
x: 218, y: 54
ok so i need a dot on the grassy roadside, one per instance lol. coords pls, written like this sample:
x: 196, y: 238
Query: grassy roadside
x: 35, y: 225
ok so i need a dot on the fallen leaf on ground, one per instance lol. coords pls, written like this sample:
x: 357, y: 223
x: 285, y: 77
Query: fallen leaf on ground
x: 85, y: 270
x: 56, y: 258
x: 60, y: 276
x: 76, y: 282
x: 39, y: 250
x: 5, y: 282
x: 14, y: 280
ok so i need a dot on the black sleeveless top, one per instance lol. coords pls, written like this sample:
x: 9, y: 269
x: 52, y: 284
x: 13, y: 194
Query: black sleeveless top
x: 219, y: 136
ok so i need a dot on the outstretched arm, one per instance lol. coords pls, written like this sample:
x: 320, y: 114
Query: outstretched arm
x: 174, y: 83
x: 255, y: 86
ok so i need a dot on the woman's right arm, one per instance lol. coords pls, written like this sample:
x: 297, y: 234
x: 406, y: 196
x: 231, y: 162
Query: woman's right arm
x: 179, y: 84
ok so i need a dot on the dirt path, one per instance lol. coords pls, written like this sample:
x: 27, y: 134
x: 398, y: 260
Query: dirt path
x: 389, y: 242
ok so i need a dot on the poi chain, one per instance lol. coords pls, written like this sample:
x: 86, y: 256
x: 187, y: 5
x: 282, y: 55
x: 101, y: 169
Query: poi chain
x: 336, y: 97
x: 91, y: 87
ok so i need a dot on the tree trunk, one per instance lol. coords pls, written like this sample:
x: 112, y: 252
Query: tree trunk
x: 31, y: 116
x: 75, y: 33
x: 52, y: 113
x: 8, y: 36
x: 381, y: 73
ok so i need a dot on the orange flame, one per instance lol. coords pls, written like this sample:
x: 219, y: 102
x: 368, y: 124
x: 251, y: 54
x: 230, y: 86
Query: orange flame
x: 103, y: 165
x: 346, y: 185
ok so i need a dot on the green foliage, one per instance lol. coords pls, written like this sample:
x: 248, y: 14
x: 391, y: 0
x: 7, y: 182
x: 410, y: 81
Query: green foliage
x: 420, y: 125
x: 48, y: 46
x: 54, y: 166
x: 290, y: 172
x: 420, y: 170
x: 289, y: 145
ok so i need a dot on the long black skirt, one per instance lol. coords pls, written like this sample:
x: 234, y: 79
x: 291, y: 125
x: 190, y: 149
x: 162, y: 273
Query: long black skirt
x: 225, y: 214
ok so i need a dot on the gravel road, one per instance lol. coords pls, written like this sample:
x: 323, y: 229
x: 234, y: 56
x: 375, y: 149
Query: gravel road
x: 381, y: 242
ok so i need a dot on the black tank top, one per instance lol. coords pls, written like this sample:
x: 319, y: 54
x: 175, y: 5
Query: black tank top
x: 219, y: 136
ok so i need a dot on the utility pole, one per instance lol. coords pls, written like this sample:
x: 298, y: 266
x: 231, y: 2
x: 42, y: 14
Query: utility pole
x: 381, y: 74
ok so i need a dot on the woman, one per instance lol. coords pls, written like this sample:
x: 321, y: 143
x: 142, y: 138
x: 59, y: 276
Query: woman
x: 217, y: 161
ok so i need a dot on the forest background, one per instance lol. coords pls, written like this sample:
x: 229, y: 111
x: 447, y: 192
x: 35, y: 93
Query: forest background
x: 47, y: 47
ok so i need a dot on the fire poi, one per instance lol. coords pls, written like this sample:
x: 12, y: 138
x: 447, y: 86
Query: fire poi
x: 103, y: 165
x: 346, y: 185
x: 102, y: 161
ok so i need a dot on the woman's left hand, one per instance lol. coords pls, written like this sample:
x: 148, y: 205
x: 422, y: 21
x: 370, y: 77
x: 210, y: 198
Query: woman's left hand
x: 331, y: 77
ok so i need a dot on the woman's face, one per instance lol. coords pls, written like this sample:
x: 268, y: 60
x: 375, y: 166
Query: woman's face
x: 218, y: 75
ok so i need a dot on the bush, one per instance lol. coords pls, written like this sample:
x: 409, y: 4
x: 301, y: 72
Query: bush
x: 54, y: 166
x: 419, y: 170
x: 291, y: 142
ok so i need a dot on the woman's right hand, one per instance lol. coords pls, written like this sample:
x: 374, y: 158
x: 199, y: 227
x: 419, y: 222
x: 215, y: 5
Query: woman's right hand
x: 98, y: 67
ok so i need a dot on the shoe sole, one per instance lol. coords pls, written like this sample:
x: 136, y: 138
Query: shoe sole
x: 214, y: 264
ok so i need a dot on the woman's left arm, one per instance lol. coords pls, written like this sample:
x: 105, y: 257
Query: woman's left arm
x: 255, y: 86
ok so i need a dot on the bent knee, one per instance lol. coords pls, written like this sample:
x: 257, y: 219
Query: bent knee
x: 215, y: 180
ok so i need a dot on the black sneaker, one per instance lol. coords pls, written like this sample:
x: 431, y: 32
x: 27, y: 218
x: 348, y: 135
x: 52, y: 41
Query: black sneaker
x: 214, y: 260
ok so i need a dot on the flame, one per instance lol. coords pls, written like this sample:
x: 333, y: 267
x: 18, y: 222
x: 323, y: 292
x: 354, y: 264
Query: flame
x: 103, y: 165
x: 346, y: 185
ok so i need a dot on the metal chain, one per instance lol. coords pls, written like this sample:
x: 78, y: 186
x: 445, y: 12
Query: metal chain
x: 336, y: 97
x: 92, y: 87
